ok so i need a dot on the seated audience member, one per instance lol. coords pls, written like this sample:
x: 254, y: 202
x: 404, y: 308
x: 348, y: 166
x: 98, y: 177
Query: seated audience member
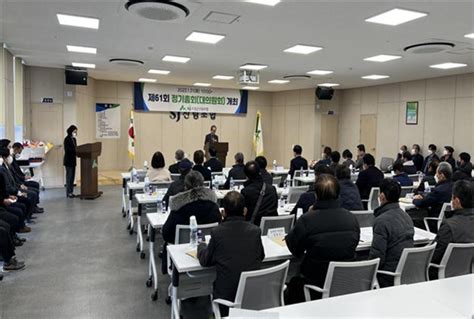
x: 235, y: 246
x: 359, y: 164
x: 431, y: 156
x: 158, y: 172
x: 15, y: 212
x: 325, y: 158
x: 262, y: 164
x: 324, y: 234
x: 198, y: 167
x: 448, y: 156
x: 237, y: 171
x: 254, y: 187
x: 308, y: 199
x: 464, y: 168
x: 370, y: 177
x: 393, y: 230
x: 429, y: 176
x: 177, y: 186
x: 459, y: 228
x: 179, y: 156
x: 431, y: 203
x: 402, y: 150
x: 335, y: 158
x: 7, y: 250
x: 349, y: 197
x: 400, y: 176
x: 416, y: 157
x: 213, y: 163
x: 297, y: 163
x: 17, y: 150
x: 347, y: 156
x: 408, y: 165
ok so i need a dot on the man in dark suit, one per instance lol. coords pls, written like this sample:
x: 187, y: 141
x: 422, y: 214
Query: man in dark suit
x: 416, y: 157
x: 408, y: 166
x: 299, y: 162
x: 237, y: 171
x: 213, y: 163
x: 212, y: 137
x: 177, y: 186
x: 262, y: 163
x: 179, y: 156
x: 17, y: 150
x: 432, y: 156
x: 198, y: 160
x: 370, y: 177
x: 448, y: 156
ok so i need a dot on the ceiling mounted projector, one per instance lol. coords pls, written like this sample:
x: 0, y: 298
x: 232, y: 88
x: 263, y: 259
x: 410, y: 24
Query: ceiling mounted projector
x: 161, y: 10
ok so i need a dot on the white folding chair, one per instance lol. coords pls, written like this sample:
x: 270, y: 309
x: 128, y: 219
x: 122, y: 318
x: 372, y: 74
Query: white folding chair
x: 270, y: 222
x: 385, y: 164
x: 414, y: 177
x: 239, y: 182
x: 257, y: 290
x: 406, y: 190
x: 412, y: 266
x: 295, y: 192
x: 345, y: 278
x: 458, y: 260
x: 175, y: 177
x: 373, y: 202
x: 364, y: 217
x: 276, y: 181
x: 446, y: 208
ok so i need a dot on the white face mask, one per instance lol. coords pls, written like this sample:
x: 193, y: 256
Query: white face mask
x: 323, y: 155
x: 436, y: 179
x: 401, y: 151
x: 74, y: 134
x: 9, y: 160
x: 17, y: 156
x: 1, y: 161
x: 413, y: 152
x: 445, y: 152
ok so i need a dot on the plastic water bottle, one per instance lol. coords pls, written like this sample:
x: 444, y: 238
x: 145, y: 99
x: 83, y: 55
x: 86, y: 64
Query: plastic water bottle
x: 145, y: 165
x: 420, y: 177
x: 146, y: 187
x: 287, y: 182
x: 231, y: 183
x: 274, y: 165
x: 134, y: 175
x: 427, y: 187
x: 193, y: 234
x: 163, y: 206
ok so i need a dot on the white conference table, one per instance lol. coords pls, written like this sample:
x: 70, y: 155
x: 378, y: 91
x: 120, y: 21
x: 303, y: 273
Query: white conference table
x: 125, y: 179
x: 310, y: 179
x: 446, y: 298
x: 279, y: 172
x: 132, y: 189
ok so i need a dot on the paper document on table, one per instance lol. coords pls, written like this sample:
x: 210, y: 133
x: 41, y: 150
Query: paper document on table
x: 406, y: 200
x: 192, y: 252
x: 277, y: 235
x: 419, y: 237
x: 366, y: 235
x: 243, y: 313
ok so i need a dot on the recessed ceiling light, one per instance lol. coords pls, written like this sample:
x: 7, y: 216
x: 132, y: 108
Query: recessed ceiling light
x: 375, y: 77
x: 470, y: 36
x: 396, y: 16
x: 278, y: 81
x: 383, y: 58
x: 176, y: 59
x: 302, y: 49
x: 83, y: 65
x: 329, y: 85
x: 74, y: 48
x: 253, y: 67
x: 448, y: 65
x: 77, y: 21
x: 251, y: 88
x: 265, y: 2
x: 222, y: 77
x: 320, y: 72
x: 146, y: 80
x: 205, y: 37
x: 161, y: 72
x: 202, y: 84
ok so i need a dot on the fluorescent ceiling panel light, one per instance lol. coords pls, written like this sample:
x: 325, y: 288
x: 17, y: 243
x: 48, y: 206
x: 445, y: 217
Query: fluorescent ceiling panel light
x: 278, y: 81
x: 470, y: 36
x: 146, y: 80
x: 77, y: 21
x: 302, y: 49
x: 205, y: 37
x: 78, y: 49
x: 396, y: 17
x: 250, y: 88
x: 320, y: 72
x: 161, y: 72
x: 375, y: 77
x: 222, y: 77
x: 265, y: 2
x: 202, y: 84
x: 383, y: 58
x: 253, y: 67
x: 448, y: 65
x: 176, y: 59
x: 83, y: 65
x: 329, y: 85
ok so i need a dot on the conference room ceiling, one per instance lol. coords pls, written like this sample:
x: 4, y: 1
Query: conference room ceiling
x: 31, y: 30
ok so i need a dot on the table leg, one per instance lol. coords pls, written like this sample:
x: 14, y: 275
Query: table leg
x: 130, y: 211
x: 139, y: 232
x: 174, y: 295
x: 152, y: 272
x: 124, y: 197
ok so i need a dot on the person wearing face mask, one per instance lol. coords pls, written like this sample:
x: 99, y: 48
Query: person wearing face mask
x: 402, y: 150
x: 429, y: 177
x: 431, y: 203
x: 448, y: 156
x: 17, y: 149
x: 416, y: 157
x: 325, y: 158
x: 464, y: 167
x: 431, y: 156
x: 70, y: 160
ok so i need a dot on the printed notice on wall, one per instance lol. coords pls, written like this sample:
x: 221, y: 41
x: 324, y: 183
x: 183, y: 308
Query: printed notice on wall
x: 107, y: 117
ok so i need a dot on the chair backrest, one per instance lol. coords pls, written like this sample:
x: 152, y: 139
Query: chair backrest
x: 276, y: 181
x: 413, y: 265
x: 364, y: 217
x: 175, y: 177
x: 183, y: 231
x: 414, y: 177
x: 406, y: 190
x: 374, y: 198
x: 385, y: 163
x: 457, y: 260
x: 303, y: 172
x: 349, y: 277
x: 270, y: 222
x: 262, y: 289
x: 207, y: 184
x: 239, y: 182
x: 294, y: 193
x: 442, y: 214
x: 141, y: 174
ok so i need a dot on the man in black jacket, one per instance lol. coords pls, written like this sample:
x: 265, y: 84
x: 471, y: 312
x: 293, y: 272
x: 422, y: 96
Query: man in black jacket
x: 70, y: 159
x: 299, y: 162
x: 198, y: 160
x: 17, y: 150
x: 237, y: 171
x: 448, y: 156
x: 324, y: 234
x: 432, y: 156
x: 349, y: 197
x: 464, y: 168
x: 408, y: 166
x: 262, y: 164
x: 213, y: 163
x: 178, y: 156
x: 252, y: 191
x: 235, y: 246
x: 359, y: 164
x: 416, y: 157
x: 177, y: 186
x: 370, y: 177
x: 393, y: 230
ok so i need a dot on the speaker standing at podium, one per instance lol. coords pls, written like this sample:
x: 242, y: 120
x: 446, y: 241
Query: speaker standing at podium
x: 70, y: 160
x: 212, y: 137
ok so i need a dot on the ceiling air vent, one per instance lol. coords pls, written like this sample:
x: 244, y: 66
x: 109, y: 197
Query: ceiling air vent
x: 429, y: 47
x: 160, y: 10
x: 297, y: 77
x: 126, y: 62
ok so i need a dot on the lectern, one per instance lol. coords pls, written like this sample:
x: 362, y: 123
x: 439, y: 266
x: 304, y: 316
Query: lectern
x: 89, y: 153
x: 221, y: 148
